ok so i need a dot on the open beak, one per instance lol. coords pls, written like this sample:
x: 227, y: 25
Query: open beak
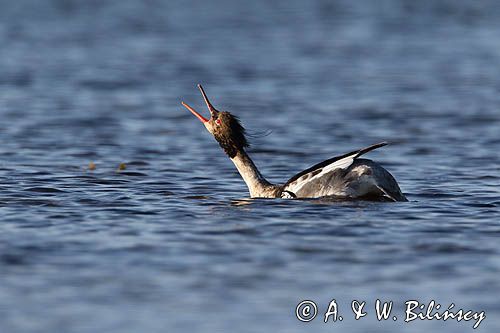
x: 193, y: 111
x: 213, y: 111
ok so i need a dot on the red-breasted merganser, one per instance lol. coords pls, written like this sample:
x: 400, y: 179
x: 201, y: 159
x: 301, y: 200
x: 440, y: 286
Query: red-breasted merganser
x: 345, y: 177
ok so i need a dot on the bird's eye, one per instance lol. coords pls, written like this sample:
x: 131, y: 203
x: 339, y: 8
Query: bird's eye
x: 218, y: 121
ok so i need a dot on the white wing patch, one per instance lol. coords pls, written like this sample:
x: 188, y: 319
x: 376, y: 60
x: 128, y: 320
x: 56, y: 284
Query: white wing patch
x: 343, y: 163
x: 287, y: 195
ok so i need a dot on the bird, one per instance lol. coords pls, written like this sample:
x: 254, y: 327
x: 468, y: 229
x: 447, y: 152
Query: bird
x: 345, y: 177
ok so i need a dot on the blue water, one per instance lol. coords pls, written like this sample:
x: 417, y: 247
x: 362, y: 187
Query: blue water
x: 172, y: 243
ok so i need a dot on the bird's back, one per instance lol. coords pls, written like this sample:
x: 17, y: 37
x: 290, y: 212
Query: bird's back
x: 346, y: 176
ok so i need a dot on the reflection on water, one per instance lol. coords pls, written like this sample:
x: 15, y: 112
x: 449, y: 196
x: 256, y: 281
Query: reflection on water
x: 170, y: 242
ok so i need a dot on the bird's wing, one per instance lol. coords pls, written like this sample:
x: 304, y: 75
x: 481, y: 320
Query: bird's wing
x: 338, y: 163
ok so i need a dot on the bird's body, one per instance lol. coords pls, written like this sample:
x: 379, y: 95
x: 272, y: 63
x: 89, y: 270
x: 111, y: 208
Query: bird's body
x: 346, y: 176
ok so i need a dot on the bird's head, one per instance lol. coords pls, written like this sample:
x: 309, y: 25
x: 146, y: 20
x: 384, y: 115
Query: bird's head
x: 225, y: 127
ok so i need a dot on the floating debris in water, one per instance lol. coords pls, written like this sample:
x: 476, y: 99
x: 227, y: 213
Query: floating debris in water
x: 122, y: 166
x: 91, y: 166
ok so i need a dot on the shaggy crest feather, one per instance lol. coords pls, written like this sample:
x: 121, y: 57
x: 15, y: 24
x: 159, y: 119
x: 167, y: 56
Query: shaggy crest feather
x: 229, y: 133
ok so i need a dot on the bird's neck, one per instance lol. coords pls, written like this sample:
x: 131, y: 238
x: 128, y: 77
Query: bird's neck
x: 257, y: 185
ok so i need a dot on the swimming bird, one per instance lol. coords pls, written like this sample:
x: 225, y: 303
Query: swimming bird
x: 345, y: 177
